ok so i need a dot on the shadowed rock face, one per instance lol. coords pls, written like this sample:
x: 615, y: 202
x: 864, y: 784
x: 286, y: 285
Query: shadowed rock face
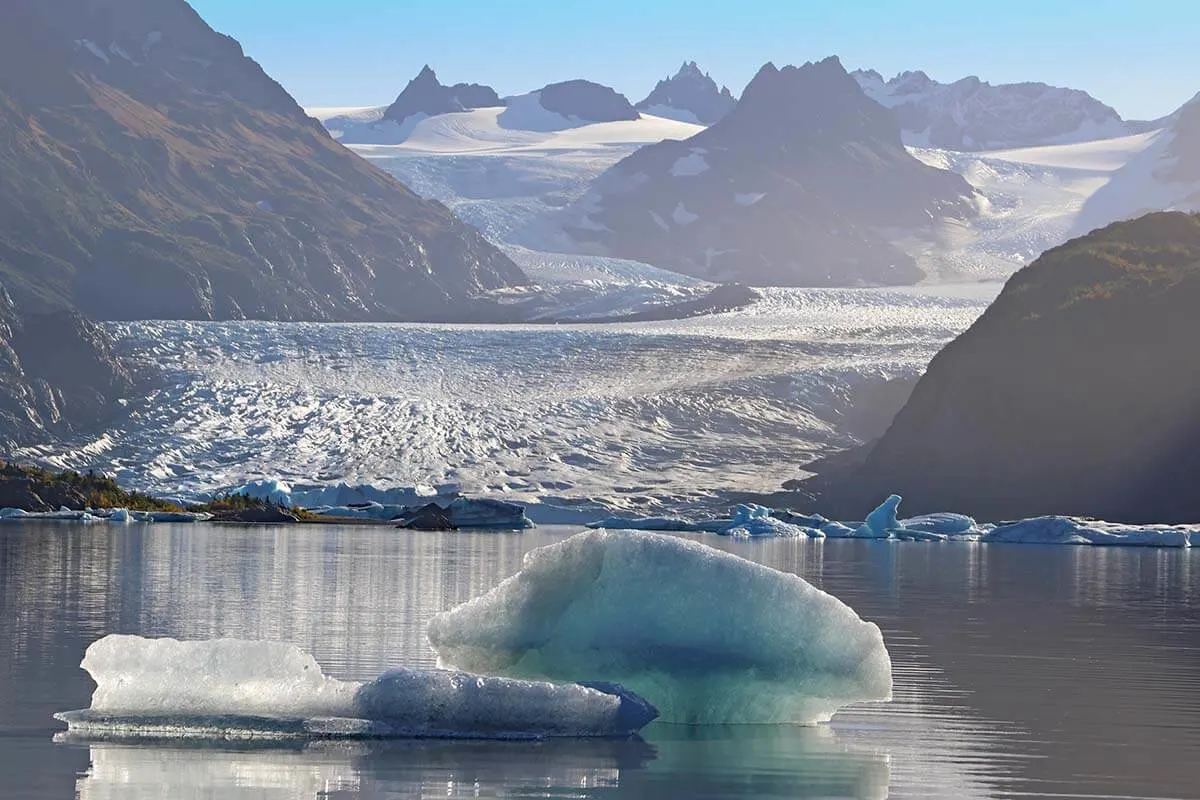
x: 804, y: 183
x: 586, y: 101
x: 1077, y: 392
x: 425, y: 94
x: 57, y: 372
x: 691, y: 96
x: 152, y: 170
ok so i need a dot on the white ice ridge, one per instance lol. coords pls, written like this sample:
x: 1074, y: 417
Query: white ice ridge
x: 705, y: 636
x: 233, y: 688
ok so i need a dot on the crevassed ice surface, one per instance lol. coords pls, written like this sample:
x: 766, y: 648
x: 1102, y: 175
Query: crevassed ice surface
x: 642, y: 415
x: 705, y: 636
x: 170, y: 687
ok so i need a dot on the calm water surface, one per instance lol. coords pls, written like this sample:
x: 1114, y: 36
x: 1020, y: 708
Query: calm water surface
x: 1021, y: 671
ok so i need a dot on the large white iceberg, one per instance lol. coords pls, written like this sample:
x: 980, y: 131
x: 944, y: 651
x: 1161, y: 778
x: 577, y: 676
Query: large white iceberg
x: 706, y: 636
x: 243, y: 689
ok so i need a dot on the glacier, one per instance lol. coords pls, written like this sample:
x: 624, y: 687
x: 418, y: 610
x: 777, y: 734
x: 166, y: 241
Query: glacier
x: 706, y: 636
x: 230, y: 688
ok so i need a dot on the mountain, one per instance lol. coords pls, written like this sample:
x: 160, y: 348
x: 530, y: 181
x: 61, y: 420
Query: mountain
x: 971, y: 114
x: 689, y: 96
x: 805, y: 183
x: 1077, y: 392
x: 426, y: 95
x: 152, y: 170
x: 566, y: 105
x: 1163, y: 176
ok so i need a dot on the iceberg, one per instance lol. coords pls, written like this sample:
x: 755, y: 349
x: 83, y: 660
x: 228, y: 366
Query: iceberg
x: 230, y: 688
x: 882, y: 521
x: 704, y: 635
x: 1076, y: 530
x: 754, y: 521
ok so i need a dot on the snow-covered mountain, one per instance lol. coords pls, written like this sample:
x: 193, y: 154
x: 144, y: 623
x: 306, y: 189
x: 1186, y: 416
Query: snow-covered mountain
x: 1165, y: 176
x: 805, y: 182
x: 689, y: 96
x: 971, y: 114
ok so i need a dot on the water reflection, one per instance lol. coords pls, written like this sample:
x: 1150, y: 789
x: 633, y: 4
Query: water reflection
x: 747, y: 761
x: 1020, y: 670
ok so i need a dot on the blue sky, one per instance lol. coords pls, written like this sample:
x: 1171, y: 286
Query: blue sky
x: 1142, y: 58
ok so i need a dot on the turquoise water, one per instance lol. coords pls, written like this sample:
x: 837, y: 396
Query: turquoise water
x: 1020, y: 670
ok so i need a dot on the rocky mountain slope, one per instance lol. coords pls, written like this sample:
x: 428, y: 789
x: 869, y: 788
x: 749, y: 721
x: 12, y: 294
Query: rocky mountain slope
x: 971, y: 114
x: 1076, y: 392
x: 152, y: 170
x: 689, y: 96
x: 1164, y: 176
x: 805, y: 183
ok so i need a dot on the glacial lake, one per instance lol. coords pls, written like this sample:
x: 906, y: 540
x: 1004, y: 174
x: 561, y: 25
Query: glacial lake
x: 1021, y: 671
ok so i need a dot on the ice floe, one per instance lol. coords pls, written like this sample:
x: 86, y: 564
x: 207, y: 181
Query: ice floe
x: 705, y: 636
x: 119, y: 516
x: 750, y: 521
x: 229, y: 688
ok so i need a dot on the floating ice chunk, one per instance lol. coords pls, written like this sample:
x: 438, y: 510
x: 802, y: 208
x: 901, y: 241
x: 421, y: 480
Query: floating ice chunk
x: 1074, y: 530
x: 228, y: 687
x: 943, y: 522
x: 704, y: 635
x: 882, y: 521
x: 690, y: 165
x: 754, y: 521
x: 677, y: 524
x: 483, y: 512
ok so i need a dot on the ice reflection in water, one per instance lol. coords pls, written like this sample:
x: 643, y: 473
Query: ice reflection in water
x: 773, y: 761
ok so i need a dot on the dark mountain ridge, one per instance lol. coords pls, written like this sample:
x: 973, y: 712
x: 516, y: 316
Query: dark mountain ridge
x: 152, y: 170
x: 1077, y: 392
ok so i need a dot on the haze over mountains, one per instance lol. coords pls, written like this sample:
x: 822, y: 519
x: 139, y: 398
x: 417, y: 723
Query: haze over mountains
x: 799, y: 185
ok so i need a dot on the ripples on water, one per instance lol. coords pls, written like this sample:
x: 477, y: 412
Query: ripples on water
x: 1020, y: 670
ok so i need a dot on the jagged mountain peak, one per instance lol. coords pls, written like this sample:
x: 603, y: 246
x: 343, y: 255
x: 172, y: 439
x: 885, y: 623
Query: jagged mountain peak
x: 690, y: 95
x: 425, y: 94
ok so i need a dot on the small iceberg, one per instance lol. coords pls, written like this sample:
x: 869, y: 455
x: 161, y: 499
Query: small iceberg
x: 704, y: 635
x: 884, y: 524
x: 233, y: 689
x: 1076, y: 530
